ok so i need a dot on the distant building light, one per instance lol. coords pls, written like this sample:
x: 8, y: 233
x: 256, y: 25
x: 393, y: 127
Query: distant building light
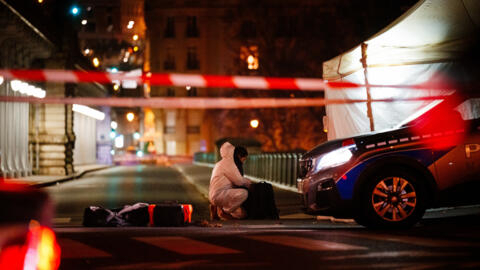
x: 252, y: 62
x: 85, y: 110
x: 139, y: 153
x: 119, y: 141
x: 188, y: 87
x: 113, y: 70
x: 130, y: 24
x: 27, y: 89
x: 116, y: 87
x: 113, y: 134
x: 75, y: 10
x: 113, y: 125
x: 84, y: 22
x: 125, y: 60
x: 86, y: 51
x: 129, y: 84
x: 1, y: 80
x: 135, y: 49
x: 112, y: 152
x: 89, y: 8
x: 136, y: 135
x: 130, y: 116
x: 40, y: 1
x: 135, y: 37
x: 96, y: 62
x: 254, y: 123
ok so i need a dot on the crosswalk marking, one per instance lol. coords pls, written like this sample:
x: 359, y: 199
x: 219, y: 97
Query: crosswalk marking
x: 185, y: 245
x: 411, y: 240
x: 304, y: 243
x: 72, y: 249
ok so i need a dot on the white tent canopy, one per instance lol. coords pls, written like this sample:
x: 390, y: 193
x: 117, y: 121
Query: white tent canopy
x: 417, y: 46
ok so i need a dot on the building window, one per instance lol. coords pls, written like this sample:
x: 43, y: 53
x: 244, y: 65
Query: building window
x: 249, y: 56
x: 170, y: 29
x: 191, y: 91
x: 169, y: 63
x: 287, y: 26
x: 169, y: 130
x: 193, y: 130
x: 192, y: 29
x: 192, y: 60
x: 170, y: 92
x: 90, y: 27
x: 248, y: 30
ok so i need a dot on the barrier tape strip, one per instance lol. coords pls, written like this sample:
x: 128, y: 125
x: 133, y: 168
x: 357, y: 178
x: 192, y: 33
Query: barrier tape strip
x: 194, y: 80
x: 201, y: 103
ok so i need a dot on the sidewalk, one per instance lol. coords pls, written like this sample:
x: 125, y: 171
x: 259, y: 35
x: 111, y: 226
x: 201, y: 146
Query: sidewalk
x: 288, y: 202
x: 48, y: 180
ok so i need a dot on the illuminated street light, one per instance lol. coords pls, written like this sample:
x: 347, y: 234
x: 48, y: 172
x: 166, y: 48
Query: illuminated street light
x: 119, y: 141
x: 139, y: 153
x: 86, y: 51
x: 85, y: 110
x: 96, y: 62
x: 188, y: 87
x: 135, y: 37
x: 130, y: 116
x: 84, y: 22
x: 113, y: 125
x: 254, y: 123
x: 113, y: 134
x: 135, y: 49
x: 40, y: 1
x: 136, y: 135
x: 116, y: 87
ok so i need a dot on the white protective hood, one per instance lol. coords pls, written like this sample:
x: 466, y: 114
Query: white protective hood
x: 422, y: 42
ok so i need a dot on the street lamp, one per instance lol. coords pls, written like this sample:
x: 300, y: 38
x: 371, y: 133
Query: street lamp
x: 135, y: 37
x: 84, y: 22
x: 254, y: 123
x: 130, y: 116
x: 113, y: 125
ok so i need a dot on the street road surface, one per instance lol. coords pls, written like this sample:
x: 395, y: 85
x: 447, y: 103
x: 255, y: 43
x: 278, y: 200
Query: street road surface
x: 436, y: 243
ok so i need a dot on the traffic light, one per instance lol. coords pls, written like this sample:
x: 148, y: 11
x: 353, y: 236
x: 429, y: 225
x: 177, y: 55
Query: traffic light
x: 75, y: 10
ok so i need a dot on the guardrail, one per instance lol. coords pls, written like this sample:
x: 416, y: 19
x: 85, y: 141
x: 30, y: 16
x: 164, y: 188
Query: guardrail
x: 281, y: 168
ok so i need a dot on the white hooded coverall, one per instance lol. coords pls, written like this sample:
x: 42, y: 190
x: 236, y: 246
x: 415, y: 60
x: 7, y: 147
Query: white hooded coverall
x: 225, y: 176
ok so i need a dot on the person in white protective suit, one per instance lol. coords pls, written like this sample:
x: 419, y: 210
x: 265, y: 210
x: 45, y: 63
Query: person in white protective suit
x: 228, y: 188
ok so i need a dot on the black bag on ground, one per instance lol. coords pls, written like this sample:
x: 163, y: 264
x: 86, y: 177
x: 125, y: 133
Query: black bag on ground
x: 260, y: 203
x: 95, y: 216
x: 168, y: 215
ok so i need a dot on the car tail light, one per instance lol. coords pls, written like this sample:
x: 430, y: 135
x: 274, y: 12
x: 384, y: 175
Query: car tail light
x: 187, y: 212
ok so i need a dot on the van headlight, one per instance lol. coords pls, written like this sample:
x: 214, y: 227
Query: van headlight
x: 334, y: 158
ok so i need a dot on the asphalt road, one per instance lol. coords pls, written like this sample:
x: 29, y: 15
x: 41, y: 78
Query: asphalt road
x: 436, y: 243
x: 119, y: 186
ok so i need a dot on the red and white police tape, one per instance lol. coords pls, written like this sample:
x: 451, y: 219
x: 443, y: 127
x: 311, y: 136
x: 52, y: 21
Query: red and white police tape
x: 194, y: 80
x: 201, y: 103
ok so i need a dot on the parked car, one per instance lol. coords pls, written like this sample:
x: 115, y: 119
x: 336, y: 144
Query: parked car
x: 388, y: 179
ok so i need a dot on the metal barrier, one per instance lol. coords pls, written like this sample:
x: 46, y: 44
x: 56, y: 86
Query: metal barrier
x: 281, y: 168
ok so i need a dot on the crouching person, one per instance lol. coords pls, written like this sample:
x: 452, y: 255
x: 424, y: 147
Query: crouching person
x: 228, y: 188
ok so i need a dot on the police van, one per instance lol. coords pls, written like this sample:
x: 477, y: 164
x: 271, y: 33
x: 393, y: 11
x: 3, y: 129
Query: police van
x: 388, y: 179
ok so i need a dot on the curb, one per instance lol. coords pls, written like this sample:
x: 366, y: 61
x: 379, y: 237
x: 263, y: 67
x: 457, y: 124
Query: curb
x: 68, y: 178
